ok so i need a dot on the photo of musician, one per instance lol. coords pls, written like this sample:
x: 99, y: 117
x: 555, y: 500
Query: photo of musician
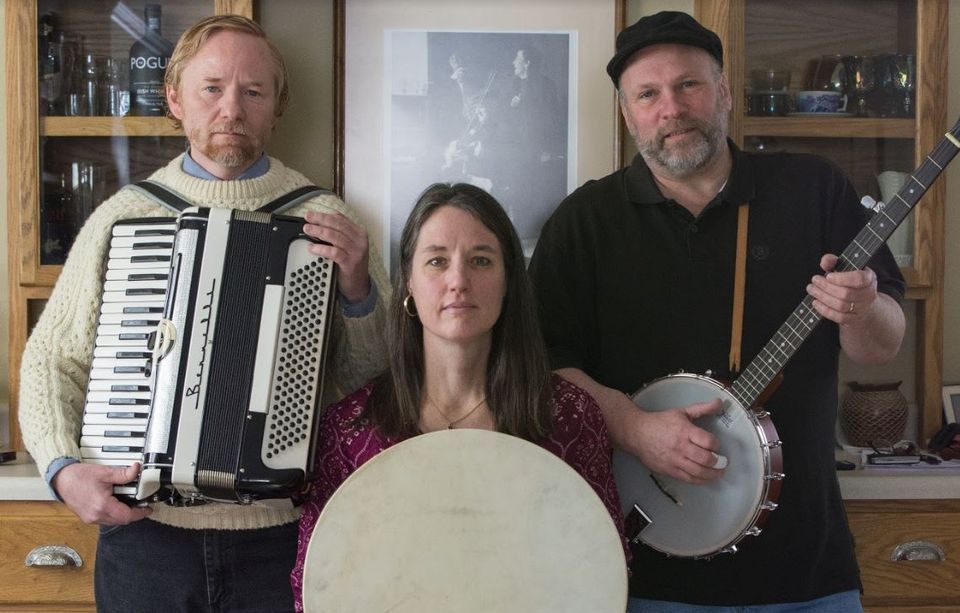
x: 485, y: 108
x: 534, y: 143
x: 465, y: 156
x: 226, y: 84
x: 465, y: 352
x: 634, y: 274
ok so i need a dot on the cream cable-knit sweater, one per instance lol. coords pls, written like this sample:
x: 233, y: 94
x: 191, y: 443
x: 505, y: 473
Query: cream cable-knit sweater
x: 54, y: 372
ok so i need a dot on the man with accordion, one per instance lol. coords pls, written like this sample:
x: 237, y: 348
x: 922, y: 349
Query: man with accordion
x: 226, y: 85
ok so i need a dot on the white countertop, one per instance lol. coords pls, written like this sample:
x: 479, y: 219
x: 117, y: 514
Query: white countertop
x: 19, y: 480
x: 903, y: 484
x: 918, y: 481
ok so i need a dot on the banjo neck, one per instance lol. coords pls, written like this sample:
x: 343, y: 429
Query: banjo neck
x: 762, y: 370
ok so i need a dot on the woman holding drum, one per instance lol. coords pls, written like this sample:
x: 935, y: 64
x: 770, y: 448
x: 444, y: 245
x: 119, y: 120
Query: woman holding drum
x: 465, y: 353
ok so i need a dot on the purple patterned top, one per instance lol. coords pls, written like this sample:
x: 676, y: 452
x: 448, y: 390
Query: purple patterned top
x: 579, y: 438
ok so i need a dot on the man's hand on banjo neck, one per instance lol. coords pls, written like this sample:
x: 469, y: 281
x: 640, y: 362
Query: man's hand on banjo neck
x: 667, y: 442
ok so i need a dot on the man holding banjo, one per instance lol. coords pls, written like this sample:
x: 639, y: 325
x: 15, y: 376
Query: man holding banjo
x: 636, y: 275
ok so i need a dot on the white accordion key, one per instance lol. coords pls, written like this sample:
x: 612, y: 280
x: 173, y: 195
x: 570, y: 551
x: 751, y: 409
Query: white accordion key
x: 146, y: 230
x: 106, y: 442
x: 98, y: 453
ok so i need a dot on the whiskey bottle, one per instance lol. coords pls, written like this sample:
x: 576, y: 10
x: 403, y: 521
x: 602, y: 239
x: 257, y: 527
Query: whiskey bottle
x: 148, y: 63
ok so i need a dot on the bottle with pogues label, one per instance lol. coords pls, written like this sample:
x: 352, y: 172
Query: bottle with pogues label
x: 148, y: 63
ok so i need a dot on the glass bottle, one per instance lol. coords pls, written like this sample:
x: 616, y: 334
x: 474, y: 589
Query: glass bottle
x: 116, y: 96
x: 90, y: 86
x: 49, y: 57
x: 148, y: 63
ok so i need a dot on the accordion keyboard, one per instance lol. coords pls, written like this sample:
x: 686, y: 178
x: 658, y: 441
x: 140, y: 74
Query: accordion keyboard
x: 117, y: 405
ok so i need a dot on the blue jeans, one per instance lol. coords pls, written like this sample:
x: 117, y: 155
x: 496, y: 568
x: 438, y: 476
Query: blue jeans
x: 844, y: 602
x: 148, y: 566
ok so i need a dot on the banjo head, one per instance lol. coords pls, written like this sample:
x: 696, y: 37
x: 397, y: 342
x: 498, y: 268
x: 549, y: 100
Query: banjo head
x: 465, y: 520
x: 698, y: 521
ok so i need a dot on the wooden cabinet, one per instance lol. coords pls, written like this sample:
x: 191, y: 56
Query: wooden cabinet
x: 784, y: 34
x: 54, y: 156
x: 43, y: 147
x: 48, y: 558
x: 909, y: 554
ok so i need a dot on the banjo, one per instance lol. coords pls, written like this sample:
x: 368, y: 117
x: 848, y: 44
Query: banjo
x: 699, y: 521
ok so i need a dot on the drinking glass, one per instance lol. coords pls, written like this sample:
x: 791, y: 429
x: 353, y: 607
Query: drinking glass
x: 860, y: 75
x: 904, y: 72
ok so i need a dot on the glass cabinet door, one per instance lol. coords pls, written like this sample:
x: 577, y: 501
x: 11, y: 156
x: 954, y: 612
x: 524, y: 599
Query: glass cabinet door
x: 837, y: 79
x: 99, y: 99
x: 888, y: 59
x: 81, y: 123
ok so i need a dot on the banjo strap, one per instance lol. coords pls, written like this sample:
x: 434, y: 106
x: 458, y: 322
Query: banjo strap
x: 739, y: 283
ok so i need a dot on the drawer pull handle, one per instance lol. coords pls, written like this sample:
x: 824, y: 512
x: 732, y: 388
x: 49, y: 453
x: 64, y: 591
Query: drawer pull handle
x: 53, y: 555
x: 918, y: 550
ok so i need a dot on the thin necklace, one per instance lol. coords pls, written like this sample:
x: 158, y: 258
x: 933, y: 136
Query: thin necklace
x: 454, y: 422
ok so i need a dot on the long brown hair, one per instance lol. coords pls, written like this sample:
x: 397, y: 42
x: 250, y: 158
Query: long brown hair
x: 518, y: 377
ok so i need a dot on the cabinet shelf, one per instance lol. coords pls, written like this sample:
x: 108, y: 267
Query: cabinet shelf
x: 108, y: 126
x: 829, y: 127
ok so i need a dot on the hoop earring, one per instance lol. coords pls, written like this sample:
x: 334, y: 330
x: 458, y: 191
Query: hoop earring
x: 406, y: 306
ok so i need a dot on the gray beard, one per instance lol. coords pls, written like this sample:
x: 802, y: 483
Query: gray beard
x: 713, y: 138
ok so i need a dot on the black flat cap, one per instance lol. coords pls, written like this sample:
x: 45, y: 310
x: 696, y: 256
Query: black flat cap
x: 663, y: 27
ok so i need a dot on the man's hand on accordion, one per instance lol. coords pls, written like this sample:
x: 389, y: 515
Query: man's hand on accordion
x: 349, y: 249
x: 87, y: 489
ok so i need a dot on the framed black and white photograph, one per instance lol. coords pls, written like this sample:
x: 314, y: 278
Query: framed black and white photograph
x: 510, y: 97
x: 951, y: 403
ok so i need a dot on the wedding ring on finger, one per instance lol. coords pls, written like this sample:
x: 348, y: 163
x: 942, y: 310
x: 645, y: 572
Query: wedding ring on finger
x: 853, y: 306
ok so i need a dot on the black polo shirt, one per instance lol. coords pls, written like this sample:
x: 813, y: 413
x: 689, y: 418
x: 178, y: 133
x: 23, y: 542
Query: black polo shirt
x: 633, y: 287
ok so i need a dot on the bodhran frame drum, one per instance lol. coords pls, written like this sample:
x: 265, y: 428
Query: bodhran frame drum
x: 465, y: 520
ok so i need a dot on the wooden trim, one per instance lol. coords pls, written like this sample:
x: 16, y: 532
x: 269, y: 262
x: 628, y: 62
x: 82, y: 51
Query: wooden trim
x: 17, y: 339
x: 339, y: 56
x: 930, y: 221
x: 620, y: 135
x: 22, y: 185
x: 108, y: 126
x: 23, y: 155
x: 726, y: 19
x: 837, y: 127
x: 930, y: 125
x: 233, y: 7
x: 951, y: 505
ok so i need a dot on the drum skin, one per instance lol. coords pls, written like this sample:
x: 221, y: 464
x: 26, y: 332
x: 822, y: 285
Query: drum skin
x: 465, y: 520
x: 699, y: 521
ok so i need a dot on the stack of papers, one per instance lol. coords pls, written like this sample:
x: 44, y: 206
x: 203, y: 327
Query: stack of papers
x: 925, y: 461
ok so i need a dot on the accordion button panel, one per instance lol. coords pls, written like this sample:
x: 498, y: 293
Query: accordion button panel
x: 298, y: 362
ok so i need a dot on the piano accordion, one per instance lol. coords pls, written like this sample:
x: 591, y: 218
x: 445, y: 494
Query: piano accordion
x: 209, y: 354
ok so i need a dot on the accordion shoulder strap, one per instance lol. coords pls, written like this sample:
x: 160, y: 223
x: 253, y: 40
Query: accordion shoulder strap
x: 162, y: 194
x: 167, y: 197
x: 291, y: 199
